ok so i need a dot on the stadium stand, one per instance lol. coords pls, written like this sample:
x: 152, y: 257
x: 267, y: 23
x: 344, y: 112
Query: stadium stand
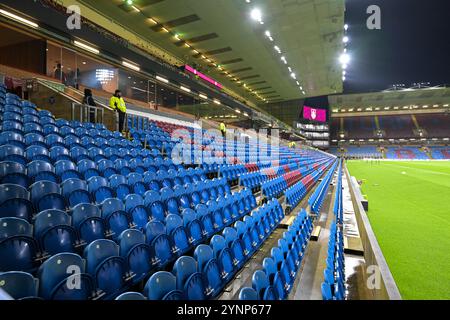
x: 406, y: 153
x: 77, y: 194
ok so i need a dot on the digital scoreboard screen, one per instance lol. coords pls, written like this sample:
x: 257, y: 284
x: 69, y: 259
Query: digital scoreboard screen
x: 314, y: 114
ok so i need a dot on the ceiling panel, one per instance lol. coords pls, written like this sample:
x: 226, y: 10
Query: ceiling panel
x: 309, y: 33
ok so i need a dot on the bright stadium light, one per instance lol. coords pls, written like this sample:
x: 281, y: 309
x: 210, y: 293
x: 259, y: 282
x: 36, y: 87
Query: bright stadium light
x: 344, y: 59
x: 132, y: 66
x: 345, y: 27
x: 256, y: 15
x: 18, y: 18
x: 267, y: 33
x: 345, y: 39
x: 86, y: 47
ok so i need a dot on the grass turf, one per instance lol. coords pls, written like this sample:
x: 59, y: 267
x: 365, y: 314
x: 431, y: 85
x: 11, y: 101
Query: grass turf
x: 409, y: 210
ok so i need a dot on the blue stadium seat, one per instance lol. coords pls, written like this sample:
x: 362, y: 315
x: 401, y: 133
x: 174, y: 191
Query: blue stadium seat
x: 224, y: 256
x: 160, y: 244
x: 162, y: 285
x: 38, y: 170
x: 32, y: 125
x: 66, y: 169
x: 47, y: 195
x: 115, y: 217
x: 136, y: 252
x: 106, y: 168
x: 107, y: 267
x: 13, y: 173
x: 63, y: 277
x: 37, y: 152
x: 175, y: 229
x: 53, y: 230
x: 248, y: 294
x: 140, y: 214
x: 262, y: 286
x: 189, y: 280
x: 19, y: 285
x: 15, y: 202
x: 87, y: 168
x: 99, y: 188
x: 135, y: 180
x: 18, y: 248
x: 35, y: 139
x: 170, y: 201
x: 236, y: 246
x: 193, y: 226
x: 326, y: 291
x: 88, y: 222
x: 75, y: 191
x: 134, y: 296
x: 152, y: 200
x: 208, y: 265
x: 274, y: 278
x: 12, y: 153
x: 12, y: 138
x: 120, y: 186
x: 206, y: 219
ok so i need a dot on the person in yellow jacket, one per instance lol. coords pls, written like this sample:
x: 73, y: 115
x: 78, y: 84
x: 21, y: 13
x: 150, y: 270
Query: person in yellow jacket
x: 117, y: 103
x: 223, y: 129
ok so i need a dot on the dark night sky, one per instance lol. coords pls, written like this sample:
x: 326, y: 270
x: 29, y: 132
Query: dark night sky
x: 413, y: 44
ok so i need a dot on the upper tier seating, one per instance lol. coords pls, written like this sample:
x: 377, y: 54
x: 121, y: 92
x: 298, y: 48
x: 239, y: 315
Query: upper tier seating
x: 359, y: 127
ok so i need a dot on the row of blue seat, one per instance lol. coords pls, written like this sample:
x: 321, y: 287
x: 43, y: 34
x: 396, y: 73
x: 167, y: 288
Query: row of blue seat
x: 296, y: 193
x: 45, y: 194
x: 276, y: 279
x: 338, y: 208
x: 333, y: 287
x: 316, y: 199
x: 252, y: 179
x: 15, y: 172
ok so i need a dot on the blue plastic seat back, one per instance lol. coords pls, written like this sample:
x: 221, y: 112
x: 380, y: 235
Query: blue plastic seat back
x: 88, y: 222
x: 107, y: 267
x: 12, y: 226
x: 260, y: 283
x: 98, y: 186
x: 13, y: 173
x: 53, y: 230
x: 161, y: 286
x: 188, y: 279
x: 14, y: 202
x: 176, y: 230
x: 159, y: 242
x: 57, y: 277
x: 326, y: 291
x: 76, y: 192
x: 18, y: 284
x: 136, y: 252
x: 248, y: 294
x: 223, y: 255
x: 132, y: 201
x: 134, y: 296
x: 47, y: 195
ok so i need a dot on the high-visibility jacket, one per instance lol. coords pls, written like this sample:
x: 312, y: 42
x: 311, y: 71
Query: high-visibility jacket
x: 222, y: 127
x: 119, y: 103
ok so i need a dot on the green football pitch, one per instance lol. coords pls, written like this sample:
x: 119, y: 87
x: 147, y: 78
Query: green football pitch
x: 409, y: 210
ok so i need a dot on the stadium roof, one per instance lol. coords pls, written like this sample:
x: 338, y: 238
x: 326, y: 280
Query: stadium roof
x: 434, y: 99
x: 307, y: 32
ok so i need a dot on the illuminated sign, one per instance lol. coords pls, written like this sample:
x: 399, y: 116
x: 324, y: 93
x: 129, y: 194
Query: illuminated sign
x: 202, y: 76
